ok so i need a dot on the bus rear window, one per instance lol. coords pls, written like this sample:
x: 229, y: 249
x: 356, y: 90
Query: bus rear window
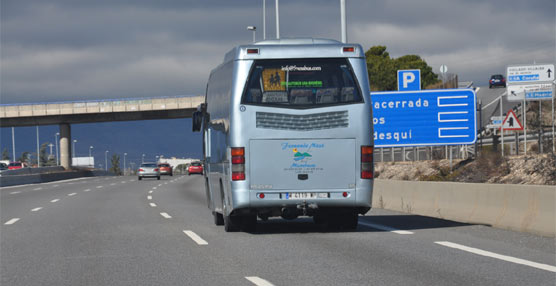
x: 301, y: 83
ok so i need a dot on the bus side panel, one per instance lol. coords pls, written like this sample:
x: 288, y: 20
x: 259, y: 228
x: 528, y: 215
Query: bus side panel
x: 218, y: 101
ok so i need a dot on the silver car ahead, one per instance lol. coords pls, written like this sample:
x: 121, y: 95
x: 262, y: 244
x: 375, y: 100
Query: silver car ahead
x: 148, y: 170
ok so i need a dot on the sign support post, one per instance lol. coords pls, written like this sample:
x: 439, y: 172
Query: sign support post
x: 525, y: 125
x: 502, y: 127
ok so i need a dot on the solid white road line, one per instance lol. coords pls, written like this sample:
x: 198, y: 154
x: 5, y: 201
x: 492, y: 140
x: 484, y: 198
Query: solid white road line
x: 258, y: 281
x: 36, y: 189
x: 16, y: 192
x: 72, y: 194
x: 386, y: 228
x: 195, y: 237
x: 36, y: 209
x: 149, y: 197
x: 11, y: 221
x: 498, y: 256
x: 165, y: 215
x: 153, y: 205
x: 55, y: 186
x: 87, y: 190
x: 55, y: 200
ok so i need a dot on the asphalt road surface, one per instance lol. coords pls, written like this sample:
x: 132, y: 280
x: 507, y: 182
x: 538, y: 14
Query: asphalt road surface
x: 120, y: 231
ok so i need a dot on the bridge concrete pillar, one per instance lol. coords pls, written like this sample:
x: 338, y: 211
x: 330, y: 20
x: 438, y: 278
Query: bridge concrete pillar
x: 65, y: 145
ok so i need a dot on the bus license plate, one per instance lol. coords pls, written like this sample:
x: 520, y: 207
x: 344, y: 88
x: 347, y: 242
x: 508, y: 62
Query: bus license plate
x: 297, y: 196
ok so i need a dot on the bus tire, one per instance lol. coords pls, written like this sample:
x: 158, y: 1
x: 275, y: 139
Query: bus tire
x: 231, y: 223
x: 218, y: 218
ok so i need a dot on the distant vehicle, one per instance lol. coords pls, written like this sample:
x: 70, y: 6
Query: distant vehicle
x: 195, y: 168
x: 497, y: 80
x: 148, y: 170
x: 17, y: 165
x: 287, y: 131
x: 165, y: 169
x: 3, y: 166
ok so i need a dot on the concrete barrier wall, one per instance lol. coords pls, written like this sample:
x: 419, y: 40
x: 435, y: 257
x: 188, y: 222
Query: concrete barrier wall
x: 15, y: 180
x: 527, y: 208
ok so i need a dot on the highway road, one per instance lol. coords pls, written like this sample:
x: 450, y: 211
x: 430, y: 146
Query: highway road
x: 120, y: 231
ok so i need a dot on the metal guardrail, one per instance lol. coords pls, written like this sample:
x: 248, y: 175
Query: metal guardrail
x: 99, y: 106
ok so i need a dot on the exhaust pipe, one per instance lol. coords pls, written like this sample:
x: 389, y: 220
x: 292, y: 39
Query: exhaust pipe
x: 289, y: 213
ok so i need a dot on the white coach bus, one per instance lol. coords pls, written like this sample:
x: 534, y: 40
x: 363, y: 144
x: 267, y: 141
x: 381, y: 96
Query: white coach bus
x: 287, y: 132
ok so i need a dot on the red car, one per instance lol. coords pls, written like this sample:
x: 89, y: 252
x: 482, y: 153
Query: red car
x: 17, y: 165
x: 195, y: 168
x: 165, y: 169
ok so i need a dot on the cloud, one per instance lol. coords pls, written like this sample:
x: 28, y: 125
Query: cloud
x: 74, y: 50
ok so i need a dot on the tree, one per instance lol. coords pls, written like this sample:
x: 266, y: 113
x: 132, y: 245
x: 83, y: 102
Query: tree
x: 24, y: 157
x: 383, y: 69
x: 115, y: 161
x: 5, y: 154
x: 43, y: 157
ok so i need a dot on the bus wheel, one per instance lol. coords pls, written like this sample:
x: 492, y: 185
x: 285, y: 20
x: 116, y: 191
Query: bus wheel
x: 218, y: 218
x: 230, y: 222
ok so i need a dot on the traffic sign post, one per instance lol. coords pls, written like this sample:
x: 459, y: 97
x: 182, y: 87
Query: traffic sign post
x: 409, y: 80
x: 424, y: 118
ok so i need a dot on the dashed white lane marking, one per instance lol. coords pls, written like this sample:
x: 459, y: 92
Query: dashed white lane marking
x: 385, y: 228
x: 16, y: 192
x: 154, y: 188
x: 195, y: 237
x: 99, y: 187
x: 72, y: 194
x: 113, y: 184
x: 149, y: 197
x: 123, y: 182
x: 498, y: 256
x: 36, y: 209
x: 11, y: 221
x: 150, y: 192
x: 55, y: 200
x: 87, y: 190
x: 36, y: 189
x: 55, y: 186
x: 258, y: 281
x: 165, y: 215
x: 153, y: 205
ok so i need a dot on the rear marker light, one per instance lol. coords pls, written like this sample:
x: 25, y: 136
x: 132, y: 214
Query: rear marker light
x: 349, y: 49
x: 345, y: 194
x: 238, y: 163
x: 252, y: 51
x: 367, y: 162
x: 261, y: 196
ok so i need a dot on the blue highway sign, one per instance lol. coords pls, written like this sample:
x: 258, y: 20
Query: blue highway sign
x: 424, y: 118
x: 409, y: 80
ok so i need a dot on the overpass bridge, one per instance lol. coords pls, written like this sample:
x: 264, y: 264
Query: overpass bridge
x: 66, y: 113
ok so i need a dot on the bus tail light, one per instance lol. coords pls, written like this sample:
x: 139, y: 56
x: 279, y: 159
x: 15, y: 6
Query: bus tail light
x: 349, y: 49
x: 367, y: 162
x: 238, y: 163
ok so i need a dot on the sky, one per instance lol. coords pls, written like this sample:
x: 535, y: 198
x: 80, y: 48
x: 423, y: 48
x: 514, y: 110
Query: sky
x: 66, y: 50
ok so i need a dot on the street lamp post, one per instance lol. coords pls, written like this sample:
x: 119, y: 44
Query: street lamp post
x: 125, y: 154
x: 254, y: 29
x: 142, y: 158
x: 106, y: 160
x: 38, y: 154
x: 56, y: 141
x: 90, y: 148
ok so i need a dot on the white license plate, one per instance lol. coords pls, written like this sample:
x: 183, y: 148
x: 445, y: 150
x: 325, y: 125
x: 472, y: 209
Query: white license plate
x: 297, y: 196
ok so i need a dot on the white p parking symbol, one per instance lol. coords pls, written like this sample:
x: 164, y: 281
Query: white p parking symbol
x: 408, y: 77
x: 409, y: 80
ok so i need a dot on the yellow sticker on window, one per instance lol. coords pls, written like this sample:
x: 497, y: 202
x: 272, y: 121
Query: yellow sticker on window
x: 272, y: 79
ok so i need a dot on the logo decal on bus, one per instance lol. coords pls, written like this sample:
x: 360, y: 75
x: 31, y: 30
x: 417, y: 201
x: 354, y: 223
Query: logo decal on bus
x: 300, y: 156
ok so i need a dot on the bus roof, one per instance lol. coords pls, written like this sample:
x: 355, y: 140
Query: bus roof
x: 295, y: 48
